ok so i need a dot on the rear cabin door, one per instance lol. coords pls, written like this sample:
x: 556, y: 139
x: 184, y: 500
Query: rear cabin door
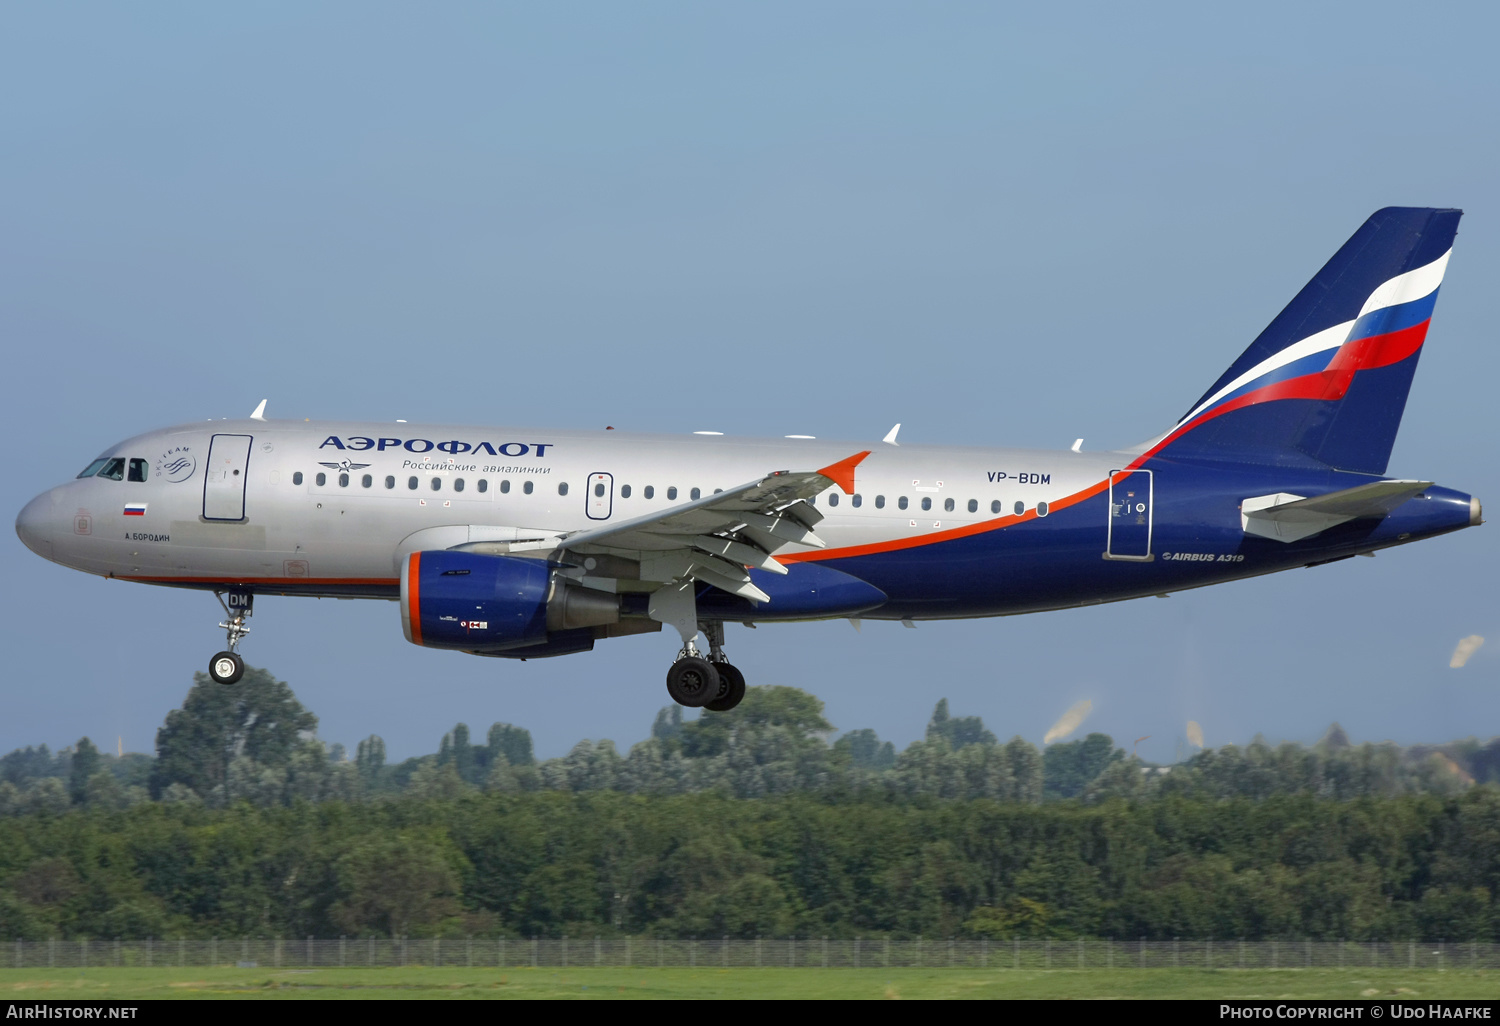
x: 1130, y: 495
x: 224, y: 477
x: 601, y: 498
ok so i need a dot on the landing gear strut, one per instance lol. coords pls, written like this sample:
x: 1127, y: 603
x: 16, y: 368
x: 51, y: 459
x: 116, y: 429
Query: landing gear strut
x: 227, y: 667
x: 731, y: 689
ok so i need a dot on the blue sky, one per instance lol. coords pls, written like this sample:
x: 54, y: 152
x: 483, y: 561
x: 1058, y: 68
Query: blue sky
x: 995, y: 226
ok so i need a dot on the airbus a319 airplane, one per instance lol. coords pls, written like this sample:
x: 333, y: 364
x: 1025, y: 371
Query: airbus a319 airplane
x: 524, y: 543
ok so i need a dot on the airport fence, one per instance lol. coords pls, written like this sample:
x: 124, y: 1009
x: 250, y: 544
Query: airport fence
x: 725, y: 952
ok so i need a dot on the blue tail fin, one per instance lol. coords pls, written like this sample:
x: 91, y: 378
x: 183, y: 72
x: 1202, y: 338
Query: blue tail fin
x: 1327, y: 381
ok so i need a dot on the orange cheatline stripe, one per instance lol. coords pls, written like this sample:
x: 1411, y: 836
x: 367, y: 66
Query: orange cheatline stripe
x: 968, y: 530
x: 414, y: 600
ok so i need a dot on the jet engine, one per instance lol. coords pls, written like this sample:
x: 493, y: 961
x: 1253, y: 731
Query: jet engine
x: 493, y: 605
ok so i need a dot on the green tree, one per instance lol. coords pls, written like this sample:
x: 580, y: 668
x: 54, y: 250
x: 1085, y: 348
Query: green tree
x: 1069, y: 768
x: 259, y: 718
x: 866, y: 751
x: 369, y: 759
x: 397, y: 885
x: 86, y: 763
x: 511, y: 743
x: 958, y: 731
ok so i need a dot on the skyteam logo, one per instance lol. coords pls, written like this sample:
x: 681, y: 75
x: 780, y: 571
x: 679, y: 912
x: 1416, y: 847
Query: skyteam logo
x: 176, y: 464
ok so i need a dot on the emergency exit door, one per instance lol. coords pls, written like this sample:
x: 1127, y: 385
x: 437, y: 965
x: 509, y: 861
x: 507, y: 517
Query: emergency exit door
x: 1130, y: 495
x: 601, y: 500
x: 224, y: 477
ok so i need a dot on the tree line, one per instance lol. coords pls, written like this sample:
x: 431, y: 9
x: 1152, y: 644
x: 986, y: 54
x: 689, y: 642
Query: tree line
x: 750, y: 823
x: 256, y: 743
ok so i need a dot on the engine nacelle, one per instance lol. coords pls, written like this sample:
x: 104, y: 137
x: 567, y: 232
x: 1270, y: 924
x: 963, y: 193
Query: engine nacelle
x: 492, y: 604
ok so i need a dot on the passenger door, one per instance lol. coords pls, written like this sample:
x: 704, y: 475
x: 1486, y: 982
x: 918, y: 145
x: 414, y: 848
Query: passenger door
x: 224, y: 477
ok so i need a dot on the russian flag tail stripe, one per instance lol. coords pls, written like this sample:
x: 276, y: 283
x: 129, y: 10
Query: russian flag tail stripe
x: 1343, y: 353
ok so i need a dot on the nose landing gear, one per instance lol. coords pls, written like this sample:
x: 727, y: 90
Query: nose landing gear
x: 227, y: 667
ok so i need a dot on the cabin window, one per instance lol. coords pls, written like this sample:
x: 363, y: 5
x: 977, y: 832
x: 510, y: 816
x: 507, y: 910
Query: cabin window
x: 926, y: 502
x: 137, y: 470
x: 812, y: 500
x: 114, y: 469
x: 562, y: 488
x: 93, y: 468
x: 437, y: 484
x: 856, y: 501
x: 527, y: 487
x: 321, y: 479
x: 1020, y: 508
x: 484, y: 485
x: 458, y: 484
x: 366, y: 481
x: 411, y: 484
x: 695, y: 494
x: 672, y: 492
x: 995, y: 506
x: 297, y: 478
x: 624, y: 491
x: 1041, y: 509
x: 948, y: 505
x: 505, y: 486
x: 833, y: 498
x: 901, y: 502
x: 650, y: 492
x: 717, y: 490
x: 973, y: 505
x: 880, y: 502
x: 343, y: 480
x: 390, y: 480
x: 599, y: 490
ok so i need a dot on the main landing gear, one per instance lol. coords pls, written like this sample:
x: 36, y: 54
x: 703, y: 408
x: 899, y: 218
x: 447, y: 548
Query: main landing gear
x: 227, y: 667
x: 714, y: 683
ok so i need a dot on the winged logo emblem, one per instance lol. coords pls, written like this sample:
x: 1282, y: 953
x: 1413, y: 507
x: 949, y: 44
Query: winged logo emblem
x: 344, y: 465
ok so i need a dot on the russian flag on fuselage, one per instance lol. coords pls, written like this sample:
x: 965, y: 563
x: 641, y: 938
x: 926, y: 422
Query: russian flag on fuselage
x: 1328, y: 378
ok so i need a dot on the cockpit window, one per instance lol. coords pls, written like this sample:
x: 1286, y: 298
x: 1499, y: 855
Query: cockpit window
x: 93, y: 468
x: 137, y: 470
x: 114, y: 469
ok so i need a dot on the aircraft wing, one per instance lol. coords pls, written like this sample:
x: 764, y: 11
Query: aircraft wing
x: 1288, y: 518
x: 714, y: 539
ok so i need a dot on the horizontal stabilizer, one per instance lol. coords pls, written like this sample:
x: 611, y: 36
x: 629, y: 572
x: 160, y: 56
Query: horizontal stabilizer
x: 1287, y: 518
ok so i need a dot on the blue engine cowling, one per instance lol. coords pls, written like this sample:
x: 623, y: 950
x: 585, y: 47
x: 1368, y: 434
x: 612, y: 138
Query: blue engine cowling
x: 475, y: 603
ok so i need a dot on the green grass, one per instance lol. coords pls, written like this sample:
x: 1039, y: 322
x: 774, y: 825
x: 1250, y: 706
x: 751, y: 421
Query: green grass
x: 82, y: 984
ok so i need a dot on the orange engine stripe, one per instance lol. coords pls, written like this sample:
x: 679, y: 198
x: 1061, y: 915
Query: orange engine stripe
x: 414, y: 600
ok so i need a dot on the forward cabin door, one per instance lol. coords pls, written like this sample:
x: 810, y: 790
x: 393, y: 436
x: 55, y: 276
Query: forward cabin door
x: 601, y: 497
x: 1130, y: 495
x: 224, y: 477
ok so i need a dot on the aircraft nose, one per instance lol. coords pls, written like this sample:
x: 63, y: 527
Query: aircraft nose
x: 34, y: 525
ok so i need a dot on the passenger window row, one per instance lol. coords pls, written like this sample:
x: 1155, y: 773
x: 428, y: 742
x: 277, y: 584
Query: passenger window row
x: 949, y: 505
x: 104, y: 468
